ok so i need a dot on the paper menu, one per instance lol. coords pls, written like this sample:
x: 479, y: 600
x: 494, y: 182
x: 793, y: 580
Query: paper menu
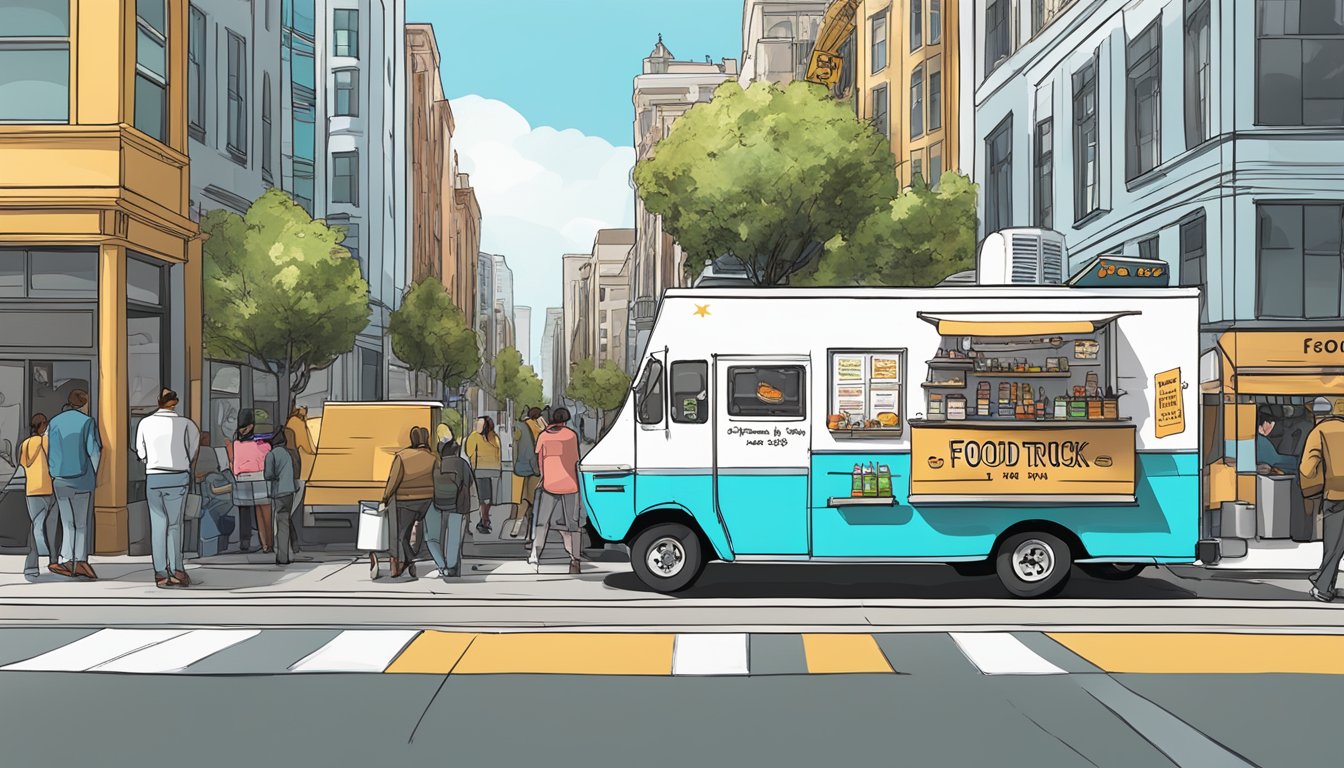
x: 849, y: 368
x: 886, y: 369
x: 849, y: 399
x: 885, y: 399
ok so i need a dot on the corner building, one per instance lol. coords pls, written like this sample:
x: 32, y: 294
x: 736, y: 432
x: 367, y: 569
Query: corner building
x: 99, y: 259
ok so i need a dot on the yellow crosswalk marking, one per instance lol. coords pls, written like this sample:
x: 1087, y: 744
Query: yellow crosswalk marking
x: 432, y: 653
x: 843, y: 653
x: 565, y: 653
x: 1172, y: 653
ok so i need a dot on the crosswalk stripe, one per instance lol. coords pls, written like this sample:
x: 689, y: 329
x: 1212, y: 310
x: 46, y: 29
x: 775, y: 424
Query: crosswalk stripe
x: 357, y: 650
x: 1193, y: 654
x: 432, y: 653
x: 843, y: 654
x: 179, y: 653
x: 101, y: 647
x: 568, y: 653
x: 999, y: 653
x: 710, y: 654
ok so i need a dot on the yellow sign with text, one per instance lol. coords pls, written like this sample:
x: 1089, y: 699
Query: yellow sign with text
x: 1168, y: 404
x: 986, y: 461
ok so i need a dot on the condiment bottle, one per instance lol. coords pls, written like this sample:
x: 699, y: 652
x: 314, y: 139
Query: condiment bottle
x: 856, y: 483
x: 884, y: 481
x: 869, y: 482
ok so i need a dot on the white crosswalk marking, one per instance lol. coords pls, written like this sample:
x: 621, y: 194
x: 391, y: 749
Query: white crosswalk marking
x: 710, y: 654
x: 357, y: 650
x: 178, y: 653
x: 999, y: 653
x: 101, y: 647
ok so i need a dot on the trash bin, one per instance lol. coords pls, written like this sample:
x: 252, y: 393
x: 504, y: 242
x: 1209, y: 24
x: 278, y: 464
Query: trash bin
x: 1277, y: 502
x: 1238, y: 520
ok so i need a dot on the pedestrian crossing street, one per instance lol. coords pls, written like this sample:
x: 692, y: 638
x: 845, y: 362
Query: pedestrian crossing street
x: 230, y: 651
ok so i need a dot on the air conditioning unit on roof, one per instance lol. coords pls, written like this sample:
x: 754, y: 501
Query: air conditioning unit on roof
x: 1026, y: 256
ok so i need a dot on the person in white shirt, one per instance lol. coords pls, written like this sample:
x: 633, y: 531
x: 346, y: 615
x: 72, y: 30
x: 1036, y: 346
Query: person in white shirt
x: 167, y: 444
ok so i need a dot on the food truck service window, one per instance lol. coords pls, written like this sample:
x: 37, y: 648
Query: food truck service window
x: 766, y: 391
x: 690, y: 392
x: 866, y: 392
x: 650, y: 394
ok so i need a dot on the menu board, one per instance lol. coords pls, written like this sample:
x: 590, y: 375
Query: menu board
x: 866, y: 390
x: 849, y: 368
x: 849, y: 399
x: 886, y: 368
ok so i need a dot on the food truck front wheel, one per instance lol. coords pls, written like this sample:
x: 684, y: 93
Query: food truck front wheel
x: 667, y: 557
x: 1033, y: 564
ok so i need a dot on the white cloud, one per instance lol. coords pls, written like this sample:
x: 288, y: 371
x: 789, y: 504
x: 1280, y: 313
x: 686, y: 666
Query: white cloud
x: 543, y: 193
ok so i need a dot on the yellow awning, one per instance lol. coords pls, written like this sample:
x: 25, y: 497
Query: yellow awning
x: 1289, y: 383
x: 1019, y: 323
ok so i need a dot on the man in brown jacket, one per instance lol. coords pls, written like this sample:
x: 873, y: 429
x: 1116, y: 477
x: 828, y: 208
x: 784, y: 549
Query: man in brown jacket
x: 1322, y: 473
x: 410, y: 488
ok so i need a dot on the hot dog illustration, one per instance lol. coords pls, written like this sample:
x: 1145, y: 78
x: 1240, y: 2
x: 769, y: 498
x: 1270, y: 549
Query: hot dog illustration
x: 935, y: 462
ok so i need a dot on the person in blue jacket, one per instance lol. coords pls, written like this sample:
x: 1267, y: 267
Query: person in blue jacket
x: 1266, y: 455
x: 73, y: 453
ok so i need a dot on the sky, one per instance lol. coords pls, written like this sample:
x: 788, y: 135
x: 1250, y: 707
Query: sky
x: 542, y: 93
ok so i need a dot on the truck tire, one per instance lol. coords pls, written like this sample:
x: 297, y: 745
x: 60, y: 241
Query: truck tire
x: 667, y: 557
x: 1112, y: 571
x: 1033, y: 564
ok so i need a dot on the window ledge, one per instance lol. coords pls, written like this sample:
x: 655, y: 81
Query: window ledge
x: 1146, y: 178
x: 197, y: 133
x: 1090, y: 217
x: 237, y: 156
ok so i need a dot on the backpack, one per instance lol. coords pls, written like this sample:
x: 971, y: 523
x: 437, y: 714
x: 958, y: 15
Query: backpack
x: 452, y: 490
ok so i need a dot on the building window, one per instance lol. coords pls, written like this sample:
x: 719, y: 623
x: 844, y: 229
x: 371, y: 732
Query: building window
x: 196, y: 58
x: 345, y: 177
x: 917, y: 168
x: 917, y: 102
x: 998, y: 33
x: 935, y: 164
x: 1086, y: 165
x: 879, y: 36
x: 347, y: 92
x: 345, y: 33
x: 35, y: 62
x: 1144, y: 142
x: 1193, y: 262
x: 999, y: 184
x: 916, y: 24
x: 1198, y: 73
x: 935, y: 21
x: 881, y: 119
x: 1299, y: 47
x: 237, y: 95
x: 1148, y: 248
x: 690, y: 392
x: 935, y: 96
x: 1045, y: 173
x: 151, y: 68
x: 649, y: 394
x: 267, y: 135
x: 1299, y: 261
x: 1043, y: 12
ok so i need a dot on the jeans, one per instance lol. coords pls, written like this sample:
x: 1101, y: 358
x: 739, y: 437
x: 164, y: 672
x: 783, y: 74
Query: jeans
x: 443, y: 534
x: 167, y: 494
x: 281, y: 506
x: 1332, y: 548
x: 74, y: 507
x: 408, y: 512
x: 39, y: 508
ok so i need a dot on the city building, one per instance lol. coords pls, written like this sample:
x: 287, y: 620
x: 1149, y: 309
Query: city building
x: 100, y: 261
x: 663, y: 92
x: 552, y: 354
x: 503, y: 303
x: 906, y: 74
x: 522, y: 332
x: 575, y: 306
x: 1205, y: 136
x: 429, y: 148
x: 363, y: 98
x: 609, y: 297
x: 486, y: 329
x: 302, y: 144
x: 777, y: 38
x: 465, y: 242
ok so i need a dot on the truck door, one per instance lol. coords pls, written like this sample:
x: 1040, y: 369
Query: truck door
x: 762, y: 449
x: 673, y: 443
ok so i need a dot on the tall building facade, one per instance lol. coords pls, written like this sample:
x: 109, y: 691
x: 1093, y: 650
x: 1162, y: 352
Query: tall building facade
x: 552, y: 355
x: 302, y: 140
x: 100, y: 260
x: 609, y: 298
x: 465, y: 243
x: 361, y: 47
x: 522, y: 332
x: 575, y: 315
x: 777, y: 38
x: 663, y: 92
x: 486, y: 329
x: 505, y: 335
x: 1203, y: 135
x: 429, y: 147
x: 907, y: 61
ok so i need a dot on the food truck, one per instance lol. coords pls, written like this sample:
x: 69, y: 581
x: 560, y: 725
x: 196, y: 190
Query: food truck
x: 1016, y: 430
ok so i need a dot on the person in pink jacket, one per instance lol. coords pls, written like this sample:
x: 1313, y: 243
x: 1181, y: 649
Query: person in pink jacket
x: 558, y: 450
x: 247, y: 459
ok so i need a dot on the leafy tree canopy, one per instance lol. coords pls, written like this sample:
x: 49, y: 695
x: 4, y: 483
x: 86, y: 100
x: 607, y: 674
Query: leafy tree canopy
x: 515, y: 382
x: 431, y: 335
x: 601, y: 388
x: 922, y: 237
x: 280, y: 290
x: 766, y: 174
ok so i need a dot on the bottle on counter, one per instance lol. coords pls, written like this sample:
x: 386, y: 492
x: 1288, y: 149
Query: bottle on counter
x: 869, y: 482
x: 856, y: 483
x: 883, y: 481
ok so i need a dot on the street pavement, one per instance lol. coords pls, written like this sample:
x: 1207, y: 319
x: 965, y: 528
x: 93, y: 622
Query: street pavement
x: 359, y: 697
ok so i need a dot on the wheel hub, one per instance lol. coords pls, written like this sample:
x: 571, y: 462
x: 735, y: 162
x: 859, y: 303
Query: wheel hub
x: 1033, y: 560
x: 666, y: 557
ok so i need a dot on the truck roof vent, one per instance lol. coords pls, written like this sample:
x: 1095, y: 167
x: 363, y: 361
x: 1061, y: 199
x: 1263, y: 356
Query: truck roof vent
x: 1026, y: 256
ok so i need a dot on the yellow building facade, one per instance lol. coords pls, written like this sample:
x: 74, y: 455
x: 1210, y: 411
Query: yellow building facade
x: 906, y: 70
x: 100, y: 284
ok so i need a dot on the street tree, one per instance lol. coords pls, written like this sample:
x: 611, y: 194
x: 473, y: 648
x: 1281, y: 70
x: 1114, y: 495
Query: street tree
x: 280, y: 291
x: 515, y: 382
x: 599, y: 388
x: 767, y: 175
x: 431, y: 335
x: 923, y: 236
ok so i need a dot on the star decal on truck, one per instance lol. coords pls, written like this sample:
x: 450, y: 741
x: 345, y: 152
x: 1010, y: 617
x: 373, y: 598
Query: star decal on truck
x: 702, y: 310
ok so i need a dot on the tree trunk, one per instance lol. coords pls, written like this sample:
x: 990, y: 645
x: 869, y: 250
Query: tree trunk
x: 286, y: 404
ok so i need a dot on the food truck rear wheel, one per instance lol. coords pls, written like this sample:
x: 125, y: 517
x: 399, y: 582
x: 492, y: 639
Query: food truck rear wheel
x: 1112, y: 571
x: 1033, y: 564
x: 667, y: 557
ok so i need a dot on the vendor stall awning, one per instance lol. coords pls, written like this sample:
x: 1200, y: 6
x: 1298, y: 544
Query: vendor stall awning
x: 1019, y: 323
x: 1290, y: 383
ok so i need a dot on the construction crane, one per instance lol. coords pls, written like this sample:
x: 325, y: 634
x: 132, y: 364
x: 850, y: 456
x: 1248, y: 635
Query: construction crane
x: 837, y: 25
